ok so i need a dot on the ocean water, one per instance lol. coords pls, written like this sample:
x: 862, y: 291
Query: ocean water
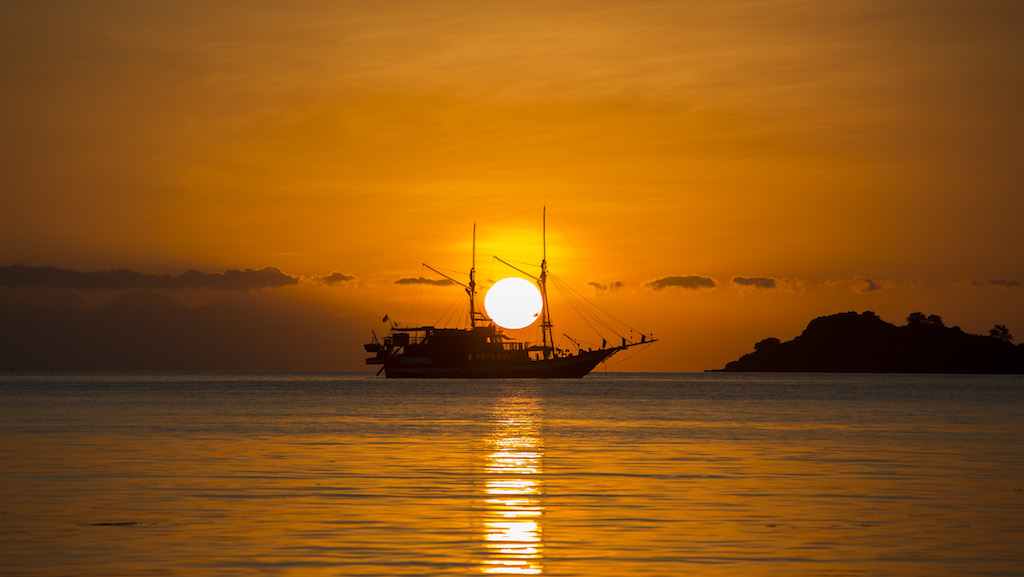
x: 611, y: 475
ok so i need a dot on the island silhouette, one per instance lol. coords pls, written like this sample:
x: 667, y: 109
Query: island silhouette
x: 863, y: 343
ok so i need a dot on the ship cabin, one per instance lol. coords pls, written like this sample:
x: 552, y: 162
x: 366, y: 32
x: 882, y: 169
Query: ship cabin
x: 451, y: 346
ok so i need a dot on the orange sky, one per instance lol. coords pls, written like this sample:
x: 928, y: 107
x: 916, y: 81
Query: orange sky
x: 866, y: 155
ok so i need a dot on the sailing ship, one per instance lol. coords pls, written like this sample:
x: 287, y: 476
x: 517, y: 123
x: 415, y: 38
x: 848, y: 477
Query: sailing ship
x: 483, y: 350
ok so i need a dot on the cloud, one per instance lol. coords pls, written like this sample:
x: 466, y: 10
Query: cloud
x: 231, y: 279
x: 758, y: 282
x: 869, y: 285
x: 426, y: 281
x: 790, y: 285
x: 335, y: 278
x: 861, y: 284
x: 1002, y: 283
x: 601, y: 287
x: 687, y: 282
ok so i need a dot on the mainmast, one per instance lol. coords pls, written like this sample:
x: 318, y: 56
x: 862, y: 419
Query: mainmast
x: 545, y: 319
x: 472, y: 285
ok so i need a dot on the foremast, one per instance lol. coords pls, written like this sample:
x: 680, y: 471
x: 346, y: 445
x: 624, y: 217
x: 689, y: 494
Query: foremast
x: 474, y: 316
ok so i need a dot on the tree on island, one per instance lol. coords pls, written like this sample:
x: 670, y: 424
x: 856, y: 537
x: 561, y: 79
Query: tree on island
x: 767, y: 343
x: 1000, y: 332
x: 919, y: 319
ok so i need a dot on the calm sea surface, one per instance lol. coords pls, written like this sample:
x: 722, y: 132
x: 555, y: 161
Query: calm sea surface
x: 612, y: 475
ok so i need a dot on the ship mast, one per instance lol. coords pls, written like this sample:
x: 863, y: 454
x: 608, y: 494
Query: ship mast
x: 545, y: 321
x: 470, y: 288
x: 472, y: 285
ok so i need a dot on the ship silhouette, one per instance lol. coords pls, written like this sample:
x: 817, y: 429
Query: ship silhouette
x: 483, y: 350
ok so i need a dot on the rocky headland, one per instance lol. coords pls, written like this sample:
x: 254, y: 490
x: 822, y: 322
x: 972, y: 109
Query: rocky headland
x: 863, y: 343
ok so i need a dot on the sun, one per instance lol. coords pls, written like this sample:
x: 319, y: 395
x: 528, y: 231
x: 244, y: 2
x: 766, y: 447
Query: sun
x: 513, y: 303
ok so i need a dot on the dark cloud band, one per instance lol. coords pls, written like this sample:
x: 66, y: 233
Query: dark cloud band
x: 686, y: 282
x: 426, y: 281
x: 601, y: 287
x: 998, y: 283
x: 335, y: 278
x: 231, y: 279
x: 755, y: 282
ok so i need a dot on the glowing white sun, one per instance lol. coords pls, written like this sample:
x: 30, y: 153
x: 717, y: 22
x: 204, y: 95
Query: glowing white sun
x: 513, y: 303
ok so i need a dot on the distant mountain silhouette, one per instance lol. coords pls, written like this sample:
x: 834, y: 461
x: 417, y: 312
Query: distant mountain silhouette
x: 863, y: 343
x: 48, y: 329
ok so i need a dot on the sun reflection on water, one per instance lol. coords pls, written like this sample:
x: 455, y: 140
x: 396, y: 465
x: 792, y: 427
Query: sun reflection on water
x: 513, y: 509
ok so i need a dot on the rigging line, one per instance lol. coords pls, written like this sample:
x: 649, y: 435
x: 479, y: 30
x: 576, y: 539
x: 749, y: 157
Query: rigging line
x: 452, y: 310
x: 451, y: 270
x: 575, y: 305
x: 560, y: 287
x: 595, y: 305
x: 628, y: 312
x: 519, y: 262
x: 446, y: 247
x: 490, y: 272
x: 627, y: 357
x: 603, y: 311
x: 508, y: 216
x: 581, y: 310
x: 615, y: 331
x: 583, y: 301
x: 598, y: 275
x: 513, y: 267
x: 529, y: 334
x: 578, y: 251
x: 413, y: 310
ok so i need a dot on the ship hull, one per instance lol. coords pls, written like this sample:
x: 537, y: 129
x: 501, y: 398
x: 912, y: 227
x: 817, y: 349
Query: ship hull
x: 574, y: 366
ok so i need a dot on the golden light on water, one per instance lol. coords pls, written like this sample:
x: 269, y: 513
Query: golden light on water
x: 513, y: 535
x: 141, y: 474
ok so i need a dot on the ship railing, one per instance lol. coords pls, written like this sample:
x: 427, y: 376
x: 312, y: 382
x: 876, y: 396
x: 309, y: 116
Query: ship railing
x: 515, y: 346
